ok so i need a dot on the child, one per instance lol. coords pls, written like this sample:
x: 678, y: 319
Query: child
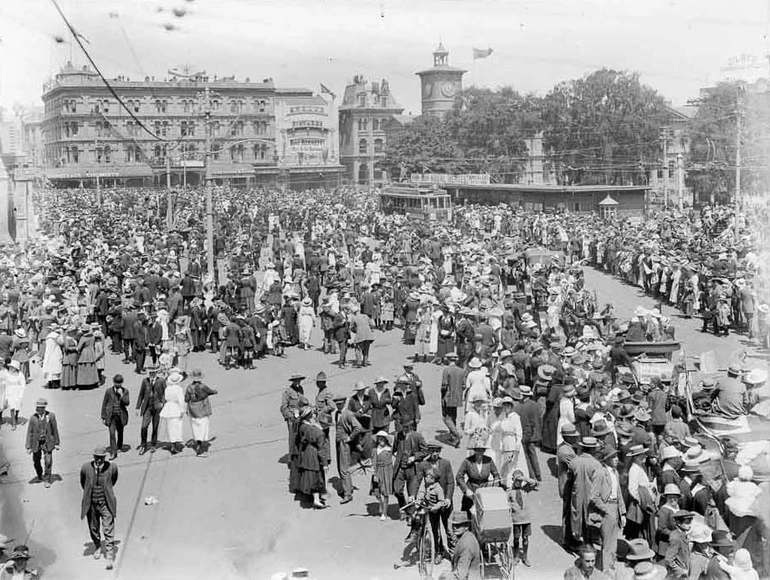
x: 666, y: 524
x: 520, y: 516
x: 742, y: 568
x: 382, y: 461
x: 432, y: 496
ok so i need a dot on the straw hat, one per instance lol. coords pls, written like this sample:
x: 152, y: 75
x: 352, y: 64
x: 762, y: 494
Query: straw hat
x: 672, y: 489
x: 475, y: 363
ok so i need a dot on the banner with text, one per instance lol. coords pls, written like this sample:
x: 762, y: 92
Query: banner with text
x: 449, y: 179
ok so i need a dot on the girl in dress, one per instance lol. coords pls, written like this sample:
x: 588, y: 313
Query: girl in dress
x: 382, y: 461
x: 15, y: 384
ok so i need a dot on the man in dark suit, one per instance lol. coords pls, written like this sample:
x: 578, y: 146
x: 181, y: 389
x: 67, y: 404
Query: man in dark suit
x: 140, y: 342
x: 410, y: 451
x: 97, y: 479
x: 531, y: 428
x: 148, y: 407
x: 129, y: 323
x: 42, y: 439
x: 115, y: 413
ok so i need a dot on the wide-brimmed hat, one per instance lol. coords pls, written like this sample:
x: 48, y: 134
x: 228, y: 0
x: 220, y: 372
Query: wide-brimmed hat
x: 635, y: 450
x: 642, y: 415
x: 601, y: 427
x: 296, y: 377
x: 383, y: 434
x: 478, y: 398
x: 475, y: 363
x: 381, y: 380
x: 545, y: 372
x: 174, y: 378
x: 649, y: 571
x: 699, y: 533
x: 20, y: 332
x: 721, y: 539
x: 516, y: 394
x: 639, y: 550
x: 359, y: 386
x: 569, y: 352
x: 526, y: 390
x: 460, y: 519
x: 672, y: 489
x: 589, y: 443
x: 307, y: 302
x: 14, y: 364
x: 669, y: 452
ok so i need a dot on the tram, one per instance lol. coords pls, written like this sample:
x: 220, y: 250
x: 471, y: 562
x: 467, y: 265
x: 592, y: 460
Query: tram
x: 422, y: 202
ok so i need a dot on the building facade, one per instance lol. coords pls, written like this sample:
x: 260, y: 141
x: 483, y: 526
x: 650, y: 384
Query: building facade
x: 89, y: 135
x: 441, y: 84
x: 367, y: 110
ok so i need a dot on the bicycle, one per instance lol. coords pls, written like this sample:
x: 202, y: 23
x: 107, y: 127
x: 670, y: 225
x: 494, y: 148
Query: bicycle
x: 426, y: 548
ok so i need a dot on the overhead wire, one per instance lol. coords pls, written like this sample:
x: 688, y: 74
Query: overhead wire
x: 77, y: 38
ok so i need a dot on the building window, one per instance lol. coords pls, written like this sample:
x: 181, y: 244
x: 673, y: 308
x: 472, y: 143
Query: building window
x: 375, y: 124
x: 671, y: 168
x: 99, y: 154
x: 136, y: 106
x: 236, y: 153
x: 215, y: 104
x: 214, y: 128
x: 160, y: 106
x: 260, y: 127
x: 363, y: 173
x: 362, y: 147
x: 236, y: 106
x: 260, y: 152
x: 215, y: 151
x: 75, y: 151
x: 262, y: 106
x: 362, y: 100
x: 363, y: 124
x: 378, y: 146
x: 660, y: 174
x: 236, y: 129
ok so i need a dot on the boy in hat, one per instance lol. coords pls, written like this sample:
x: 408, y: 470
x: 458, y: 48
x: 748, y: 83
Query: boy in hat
x: 42, y: 439
x: 442, y: 469
x: 677, y: 557
x: 520, y: 515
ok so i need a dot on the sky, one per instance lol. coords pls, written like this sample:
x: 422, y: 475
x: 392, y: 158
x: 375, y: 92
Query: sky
x: 677, y: 46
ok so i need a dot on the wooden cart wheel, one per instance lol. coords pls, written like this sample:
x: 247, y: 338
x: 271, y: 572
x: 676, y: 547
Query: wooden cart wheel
x: 427, y: 552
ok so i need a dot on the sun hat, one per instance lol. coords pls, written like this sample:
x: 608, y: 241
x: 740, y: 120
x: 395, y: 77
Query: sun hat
x: 545, y: 372
x: 359, y: 386
x: 641, y: 415
x: 478, y: 398
x: 525, y: 390
x: 672, y: 489
x: 589, y: 443
x: 174, y: 378
x: 699, y: 533
x: 649, y: 571
x: 475, y: 363
x: 296, y: 377
x: 669, y: 452
x: 635, y: 450
x: 383, y: 434
x: 639, y: 549
x: 569, y: 430
x: 569, y: 391
x: 601, y: 427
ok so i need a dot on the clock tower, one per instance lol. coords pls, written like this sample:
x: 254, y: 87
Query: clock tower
x: 440, y: 84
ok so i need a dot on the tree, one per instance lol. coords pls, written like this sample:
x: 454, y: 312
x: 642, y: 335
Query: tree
x: 490, y: 128
x: 712, y: 134
x: 424, y: 145
x: 599, y: 128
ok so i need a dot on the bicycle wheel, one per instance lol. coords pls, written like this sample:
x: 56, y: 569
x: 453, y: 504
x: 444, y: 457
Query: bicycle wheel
x: 427, y: 552
x: 505, y: 560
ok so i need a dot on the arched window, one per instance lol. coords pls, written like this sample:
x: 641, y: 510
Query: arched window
x: 107, y: 153
x: 378, y: 145
x: 362, y: 147
x: 363, y: 173
x: 375, y: 124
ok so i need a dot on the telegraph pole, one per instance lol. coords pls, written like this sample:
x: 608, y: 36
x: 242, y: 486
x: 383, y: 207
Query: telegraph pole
x: 664, y: 137
x: 209, y: 195
x: 737, y: 168
x: 679, y: 181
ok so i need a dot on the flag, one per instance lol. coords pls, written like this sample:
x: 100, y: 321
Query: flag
x: 481, y: 53
x: 325, y: 89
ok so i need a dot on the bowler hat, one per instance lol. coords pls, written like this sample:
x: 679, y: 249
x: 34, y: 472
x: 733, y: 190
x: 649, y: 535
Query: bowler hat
x: 100, y: 451
x: 117, y: 379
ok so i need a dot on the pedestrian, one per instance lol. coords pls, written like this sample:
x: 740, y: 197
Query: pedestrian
x: 466, y: 557
x: 306, y: 322
x: 149, y: 405
x: 607, y: 510
x: 115, y: 413
x: 585, y: 469
x: 509, y: 428
x: 314, y: 456
x: 87, y: 376
x: 15, y: 385
x: 585, y: 566
x: 452, y: 382
x: 15, y: 568
x: 292, y: 401
x: 531, y: 430
x: 411, y: 449
x: 677, y: 557
x: 382, y: 478
x: 642, y: 497
x: 53, y: 357
x: 99, y: 504
x: 361, y: 329
x: 42, y: 440
x: 199, y: 407
x: 520, y: 515
x: 477, y: 469
x: 342, y: 335
x: 174, y: 410
x: 379, y: 401
x: 347, y: 437
x: 324, y: 405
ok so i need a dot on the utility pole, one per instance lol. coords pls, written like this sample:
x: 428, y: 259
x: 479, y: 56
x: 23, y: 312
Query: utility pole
x: 169, y: 200
x: 98, y: 185
x: 737, y: 165
x: 680, y: 181
x: 209, y: 195
x: 664, y: 138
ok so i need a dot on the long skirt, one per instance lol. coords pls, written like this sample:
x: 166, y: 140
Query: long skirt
x: 200, y: 428
x: 86, y: 374
x: 312, y: 481
x: 174, y: 428
x: 69, y: 376
x: 445, y: 346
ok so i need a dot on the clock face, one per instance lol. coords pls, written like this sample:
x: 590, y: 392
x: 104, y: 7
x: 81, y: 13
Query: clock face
x: 448, y: 89
x: 427, y: 89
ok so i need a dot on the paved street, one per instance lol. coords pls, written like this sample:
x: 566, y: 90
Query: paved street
x: 230, y: 515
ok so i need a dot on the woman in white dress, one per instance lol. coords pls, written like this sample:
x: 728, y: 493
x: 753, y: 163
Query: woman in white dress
x: 511, y: 457
x: 15, y: 384
x: 306, y: 322
x: 174, y: 410
x: 477, y: 383
x: 53, y: 356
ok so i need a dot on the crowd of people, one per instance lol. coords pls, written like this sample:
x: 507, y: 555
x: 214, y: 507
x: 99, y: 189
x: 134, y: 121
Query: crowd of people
x: 531, y: 363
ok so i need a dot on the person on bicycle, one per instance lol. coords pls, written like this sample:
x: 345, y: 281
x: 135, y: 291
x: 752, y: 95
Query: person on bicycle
x: 432, y: 498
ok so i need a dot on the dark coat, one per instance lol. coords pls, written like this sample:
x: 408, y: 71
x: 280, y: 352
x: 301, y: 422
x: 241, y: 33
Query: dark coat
x: 151, y: 392
x: 87, y: 478
x: 379, y: 408
x: 36, y: 429
x: 108, y: 401
x: 531, y: 421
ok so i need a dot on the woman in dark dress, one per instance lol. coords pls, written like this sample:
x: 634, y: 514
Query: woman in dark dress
x: 380, y: 400
x: 477, y: 470
x: 313, y: 457
x: 410, y: 317
x: 69, y: 372
x: 446, y: 334
x: 289, y: 314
